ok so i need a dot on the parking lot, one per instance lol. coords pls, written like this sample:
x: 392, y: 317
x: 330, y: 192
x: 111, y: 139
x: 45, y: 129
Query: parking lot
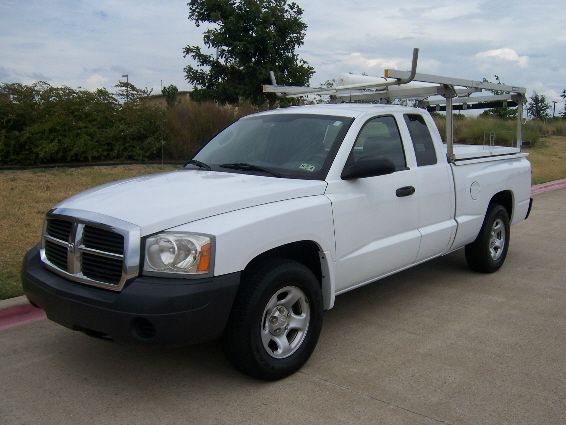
x: 434, y: 344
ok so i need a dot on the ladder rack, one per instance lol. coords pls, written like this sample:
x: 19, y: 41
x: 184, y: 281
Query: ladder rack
x: 456, y: 94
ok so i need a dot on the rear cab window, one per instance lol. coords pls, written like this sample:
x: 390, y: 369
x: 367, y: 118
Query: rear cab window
x: 421, y: 139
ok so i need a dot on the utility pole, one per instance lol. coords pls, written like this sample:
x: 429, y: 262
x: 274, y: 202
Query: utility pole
x: 127, y: 86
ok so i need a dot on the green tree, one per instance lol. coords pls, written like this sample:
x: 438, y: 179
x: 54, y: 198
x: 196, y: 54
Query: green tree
x: 170, y: 92
x: 248, y: 39
x: 127, y: 92
x: 503, y: 112
x: 563, y: 96
x: 538, y: 107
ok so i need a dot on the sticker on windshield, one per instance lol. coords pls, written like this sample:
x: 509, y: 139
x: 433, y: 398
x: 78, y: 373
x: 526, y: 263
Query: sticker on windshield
x: 307, y: 167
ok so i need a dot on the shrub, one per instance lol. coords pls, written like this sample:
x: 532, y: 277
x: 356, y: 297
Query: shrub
x: 477, y: 130
x: 555, y: 127
x: 190, y: 124
x: 42, y: 124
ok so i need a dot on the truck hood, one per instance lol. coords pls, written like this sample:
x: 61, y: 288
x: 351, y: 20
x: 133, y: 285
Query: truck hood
x: 162, y: 201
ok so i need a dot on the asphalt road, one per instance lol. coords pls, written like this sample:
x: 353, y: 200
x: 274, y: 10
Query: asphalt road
x: 434, y: 344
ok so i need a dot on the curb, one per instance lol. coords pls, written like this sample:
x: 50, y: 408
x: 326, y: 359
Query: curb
x: 17, y: 311
x: 547, y: 187
x: 19, y: 314
x: 11, y: 302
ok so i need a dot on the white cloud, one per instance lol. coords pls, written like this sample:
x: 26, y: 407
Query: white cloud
x: 451, y: 10
x: 505, y: 54
x: 541, y: 88
x: 68, y: 42
x: 359, y: 61
x: 95, y: 81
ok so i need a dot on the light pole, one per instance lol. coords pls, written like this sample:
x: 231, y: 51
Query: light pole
x: 127, y: 85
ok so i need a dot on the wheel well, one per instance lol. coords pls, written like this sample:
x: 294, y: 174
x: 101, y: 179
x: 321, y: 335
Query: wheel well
x: 304, y: 252
x: 504, y: 199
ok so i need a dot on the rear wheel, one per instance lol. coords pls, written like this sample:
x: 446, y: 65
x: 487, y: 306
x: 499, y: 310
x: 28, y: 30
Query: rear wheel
x: 276, y: 320
x: 488, y: 252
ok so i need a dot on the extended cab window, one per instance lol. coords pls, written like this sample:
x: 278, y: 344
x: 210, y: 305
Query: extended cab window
x: 422, y: 140
x: 380, y: 138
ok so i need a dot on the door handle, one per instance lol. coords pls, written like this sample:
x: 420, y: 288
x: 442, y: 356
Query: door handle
x: 405, y: 191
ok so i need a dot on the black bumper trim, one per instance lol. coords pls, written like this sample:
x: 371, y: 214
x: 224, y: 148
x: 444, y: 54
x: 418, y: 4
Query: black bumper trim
x: 149, y: 309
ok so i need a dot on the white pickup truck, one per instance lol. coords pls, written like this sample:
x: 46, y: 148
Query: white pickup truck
x: 272, y: 219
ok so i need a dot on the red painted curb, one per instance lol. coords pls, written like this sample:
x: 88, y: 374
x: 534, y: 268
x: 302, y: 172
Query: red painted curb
x: 547, y: 187
x: 19, y: 315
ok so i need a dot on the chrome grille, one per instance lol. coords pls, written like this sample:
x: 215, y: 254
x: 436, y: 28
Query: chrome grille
x: 59, y: 229
x: 88, y: 250
x: 103, y: 240
x: 100, y: 268
x: 57, y: 254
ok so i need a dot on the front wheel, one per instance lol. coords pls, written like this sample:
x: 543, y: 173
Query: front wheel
x: 488, y: 252
x: 276, y: 320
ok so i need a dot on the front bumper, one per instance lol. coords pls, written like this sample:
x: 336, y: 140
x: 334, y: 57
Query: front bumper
x: 149, y: 309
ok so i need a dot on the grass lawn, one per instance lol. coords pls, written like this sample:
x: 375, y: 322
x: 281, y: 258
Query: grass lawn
x: 548, y: 159
x: 25, y: 197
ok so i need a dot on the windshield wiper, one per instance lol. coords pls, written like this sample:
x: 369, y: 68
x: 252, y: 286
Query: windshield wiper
x: 199, y: 164
x: 249, y: 167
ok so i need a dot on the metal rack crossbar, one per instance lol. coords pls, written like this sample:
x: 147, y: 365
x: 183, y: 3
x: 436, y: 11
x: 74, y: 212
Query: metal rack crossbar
x: 456, y: 93
x: 391, y: 93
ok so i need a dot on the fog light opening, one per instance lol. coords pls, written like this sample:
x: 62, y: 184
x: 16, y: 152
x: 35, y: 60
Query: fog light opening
x: 143, y: 328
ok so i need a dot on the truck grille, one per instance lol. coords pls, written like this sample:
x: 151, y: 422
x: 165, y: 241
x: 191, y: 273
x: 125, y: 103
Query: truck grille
x: 59, y: 229
x: 85, y: 252
x: 107, y: 270
x: 57, y: 254
x: 103, y: 240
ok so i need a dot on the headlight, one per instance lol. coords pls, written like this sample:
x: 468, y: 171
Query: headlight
x: 181, y: 253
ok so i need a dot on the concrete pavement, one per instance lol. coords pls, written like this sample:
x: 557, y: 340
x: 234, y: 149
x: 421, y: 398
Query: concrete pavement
x: 434, y: 344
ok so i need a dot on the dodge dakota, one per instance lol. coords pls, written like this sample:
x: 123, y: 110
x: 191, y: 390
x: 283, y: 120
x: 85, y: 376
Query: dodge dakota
x: 270, y: 221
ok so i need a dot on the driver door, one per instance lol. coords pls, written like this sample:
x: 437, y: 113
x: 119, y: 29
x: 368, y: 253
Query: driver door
x: 376, y: 224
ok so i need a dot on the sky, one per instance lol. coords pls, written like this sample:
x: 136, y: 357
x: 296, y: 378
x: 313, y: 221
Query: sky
x: 91, y: 44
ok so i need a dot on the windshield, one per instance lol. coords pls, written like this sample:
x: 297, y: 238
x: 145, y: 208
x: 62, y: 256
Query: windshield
x: 283, y: 145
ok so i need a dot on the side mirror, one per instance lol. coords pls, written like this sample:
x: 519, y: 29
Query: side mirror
x: 368, y: 168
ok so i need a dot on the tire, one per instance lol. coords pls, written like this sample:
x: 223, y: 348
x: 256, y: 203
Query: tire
x: 254, y: 339
x: 488, y: 252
